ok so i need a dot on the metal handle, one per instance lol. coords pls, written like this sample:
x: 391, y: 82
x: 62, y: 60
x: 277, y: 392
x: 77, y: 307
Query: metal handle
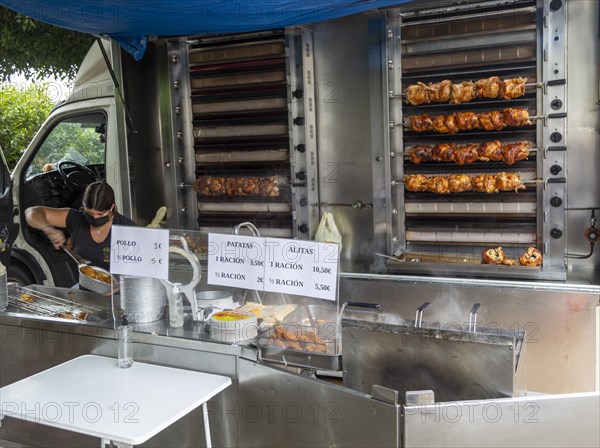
x: 374, y: 306
x: 419, y: 315
x: 473, y: 317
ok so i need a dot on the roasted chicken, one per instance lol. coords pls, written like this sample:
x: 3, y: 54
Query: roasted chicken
x: 463, y: 92
x: 514, y: 152
x: 237, y: 186
x: 488, y: 88
x: 466, y: 121
x: 444, y: 152
x: 457, y: 183
x: 509, y: 181
x: 491, y: 151
x: 417, y: 94
x: 416, y: 182
x: 512, y: 88
x: 493, y: 256
x: 440, y: 92
x: 421, y: 153
x: 484, y: 183
x: 445, y: 124
x: 465, y: 154
x: 438, y: 184
x: 533, y: 257
x: 516, y: 116
x: 491, y: 121
x: 421, y: 123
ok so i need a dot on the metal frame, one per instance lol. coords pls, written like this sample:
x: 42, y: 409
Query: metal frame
x: 304, y: 171
x: 178, y: 139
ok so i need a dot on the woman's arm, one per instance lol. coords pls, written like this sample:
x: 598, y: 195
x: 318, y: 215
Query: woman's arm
x: 47, y: 219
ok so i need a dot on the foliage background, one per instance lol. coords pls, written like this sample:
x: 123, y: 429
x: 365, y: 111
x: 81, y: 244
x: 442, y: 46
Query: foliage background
x: 22, y: 112
x: 37, y: 50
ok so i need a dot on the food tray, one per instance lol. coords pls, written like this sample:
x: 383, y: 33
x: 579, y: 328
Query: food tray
x: 33, y: 300
x: 301, y: 341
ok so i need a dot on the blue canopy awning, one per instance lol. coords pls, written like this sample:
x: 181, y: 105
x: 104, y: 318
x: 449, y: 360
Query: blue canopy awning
x: 129, y: 22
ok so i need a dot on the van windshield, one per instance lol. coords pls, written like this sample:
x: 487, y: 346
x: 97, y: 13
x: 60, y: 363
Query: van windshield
x: 80, y: 139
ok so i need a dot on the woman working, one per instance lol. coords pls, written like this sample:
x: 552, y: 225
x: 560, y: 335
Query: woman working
x: 89, y: 228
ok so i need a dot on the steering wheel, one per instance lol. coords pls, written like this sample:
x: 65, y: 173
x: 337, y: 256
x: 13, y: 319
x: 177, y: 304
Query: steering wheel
x: 79, y: 169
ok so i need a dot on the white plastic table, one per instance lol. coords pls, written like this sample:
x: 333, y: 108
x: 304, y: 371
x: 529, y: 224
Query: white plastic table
x: 91, y: 395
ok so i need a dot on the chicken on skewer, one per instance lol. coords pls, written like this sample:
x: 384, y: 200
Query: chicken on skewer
x: 467, y: 121
x: 445, y: 124
x: 440, y: 92
x: 444, y: 152
x: 421, y: 123
x: 516, y: 116
x: 465, y: 154
x: 416, y: 182
x: 484, y: 183
x: 438, y: 184
x: 421, y: 153
x: 514, y: 152
x: 457, y: 183
x: 491, y: 121
x: 463, y: 92
x: 512, y: 88
x: 509, y: 181
x: 417, y: 94
x: 488, y: 88
x: 490, y: 151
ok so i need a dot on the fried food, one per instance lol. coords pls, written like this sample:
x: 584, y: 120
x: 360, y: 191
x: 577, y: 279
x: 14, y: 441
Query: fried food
x: 24, y: 297
x: 299, y: 339
x: 95, y: 274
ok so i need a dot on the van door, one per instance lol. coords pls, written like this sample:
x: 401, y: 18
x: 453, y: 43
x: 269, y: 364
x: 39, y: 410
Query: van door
x: 8, y: 230
x: 70, y: 155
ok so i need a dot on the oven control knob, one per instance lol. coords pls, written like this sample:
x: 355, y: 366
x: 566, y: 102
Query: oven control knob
x: 301, y: 147
x: 556, y: 201
x: 555, y: 169
x: 300, y: 175
x: 556, y: 104
x: 299, y: 121
x: 555, y: 5
x: 303, y: 228
x: 556, y: 137
x: 303, y: 202
x: 298, y: 93
x: 556, y: 233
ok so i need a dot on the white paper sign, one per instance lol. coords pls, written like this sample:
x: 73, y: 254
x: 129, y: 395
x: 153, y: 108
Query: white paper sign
x: 235, y: 260
x: 139, y: 251
x: 304, y: 268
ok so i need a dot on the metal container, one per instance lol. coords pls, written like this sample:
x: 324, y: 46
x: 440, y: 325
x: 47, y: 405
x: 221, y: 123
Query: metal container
x: 92, y: 284
x: 143, y: 299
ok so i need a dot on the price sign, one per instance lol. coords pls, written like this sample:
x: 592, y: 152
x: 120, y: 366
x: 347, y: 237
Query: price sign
x: 139, y: 251
x: 235, y: 260
x: 303, y: 268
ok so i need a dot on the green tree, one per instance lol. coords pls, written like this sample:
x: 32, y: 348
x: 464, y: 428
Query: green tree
x: 22, y: 112
x: 37, y: 50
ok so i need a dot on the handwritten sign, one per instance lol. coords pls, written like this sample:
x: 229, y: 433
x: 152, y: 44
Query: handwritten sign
x: 305, y: 268
x: 235, y: 260
x: 139, y: 251
x: 298, y: 267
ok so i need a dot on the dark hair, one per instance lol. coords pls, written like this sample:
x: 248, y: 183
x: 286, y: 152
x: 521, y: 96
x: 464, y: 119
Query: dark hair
x: 99, y: 196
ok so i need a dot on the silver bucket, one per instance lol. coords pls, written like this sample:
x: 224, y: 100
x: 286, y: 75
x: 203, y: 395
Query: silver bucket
x: 143, y: 299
